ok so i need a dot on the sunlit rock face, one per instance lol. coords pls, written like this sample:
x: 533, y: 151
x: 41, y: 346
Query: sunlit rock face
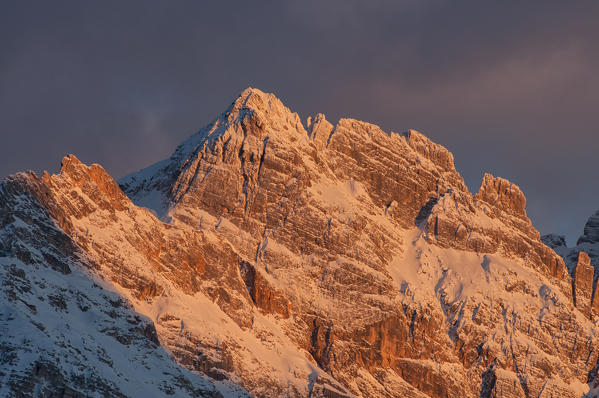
x: 589, y: 241
x: 583, y: 283
x: 326, y: 260
x: 585, y: 254
x: 64, y: 331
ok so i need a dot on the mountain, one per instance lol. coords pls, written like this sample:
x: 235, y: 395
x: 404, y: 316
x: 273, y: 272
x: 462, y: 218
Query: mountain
x: 588, y: 242
x: 582, y: 258
x: 272, y: 258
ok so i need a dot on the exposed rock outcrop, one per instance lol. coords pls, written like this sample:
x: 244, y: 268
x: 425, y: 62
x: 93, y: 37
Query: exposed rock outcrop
x: 583, y: 284
x: 586, y: 256
x: 63, y: 332
x: 330, y: 261
x: 319, y: 130
x: 503, y: 195
x: 332, y: 215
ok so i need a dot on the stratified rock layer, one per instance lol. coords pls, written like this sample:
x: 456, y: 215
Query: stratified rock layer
x: 583, y: 284
x: 332, y: 260
x: 348, y: 221
x: 63, y: 331
x: 586, y: 255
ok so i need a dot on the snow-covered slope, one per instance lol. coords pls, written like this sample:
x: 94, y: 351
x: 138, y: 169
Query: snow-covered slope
x: 64, y: 331
x: 316, y: 260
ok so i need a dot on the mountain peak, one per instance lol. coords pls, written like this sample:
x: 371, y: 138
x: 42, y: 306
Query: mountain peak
x: 93, y: 180
x: 71, y: 167
x: 429, y: 149
x: 591, y: 230
x: 253, y: 91
x: 69, y: 161
x: 254, y: 100
x: 502, y: 194
x: 319, y: 129
x: 284, y: 255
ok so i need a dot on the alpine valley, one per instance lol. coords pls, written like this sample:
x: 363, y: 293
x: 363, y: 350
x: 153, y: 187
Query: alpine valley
x: 271, y: 257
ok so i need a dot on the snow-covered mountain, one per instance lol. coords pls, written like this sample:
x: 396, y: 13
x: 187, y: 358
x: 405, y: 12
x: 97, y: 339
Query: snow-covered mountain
x: 588, y: 242
x: 274, y: 258
x: 65, y: 331
x: 582, y: 258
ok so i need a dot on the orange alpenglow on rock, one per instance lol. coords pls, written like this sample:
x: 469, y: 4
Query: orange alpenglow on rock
x: 271, y: 258
x: 583, y: 283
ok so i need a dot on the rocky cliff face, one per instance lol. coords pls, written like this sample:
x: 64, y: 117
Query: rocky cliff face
x: 64, y: 331
x: 587, y: 242
x: 324, y: 260
x: 585, y: 254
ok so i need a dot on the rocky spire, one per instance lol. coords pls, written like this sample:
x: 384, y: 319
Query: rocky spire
x: 432, y: 151
x: 582, y: 285
x: 319, y: 129
x: 502, y: 194
x: 93, y: 180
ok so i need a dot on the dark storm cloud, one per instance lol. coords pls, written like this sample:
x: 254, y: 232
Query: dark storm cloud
x: 509, y: 87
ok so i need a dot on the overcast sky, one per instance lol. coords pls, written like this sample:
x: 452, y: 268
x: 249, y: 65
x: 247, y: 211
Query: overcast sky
x: 511, y: 88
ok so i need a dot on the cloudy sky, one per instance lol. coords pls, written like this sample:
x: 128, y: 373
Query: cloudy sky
x: 511, y: 88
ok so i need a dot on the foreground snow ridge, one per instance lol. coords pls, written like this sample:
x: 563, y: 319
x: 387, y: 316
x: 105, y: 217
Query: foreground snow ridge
x: 268, y: 257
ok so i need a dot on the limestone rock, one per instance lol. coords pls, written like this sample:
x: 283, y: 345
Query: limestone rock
x: 322, y: 261
x: 583, y: 284
x: 587, y: 246
x: 343, y: 216
x: 319, y: 130
x: 503, y: 195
